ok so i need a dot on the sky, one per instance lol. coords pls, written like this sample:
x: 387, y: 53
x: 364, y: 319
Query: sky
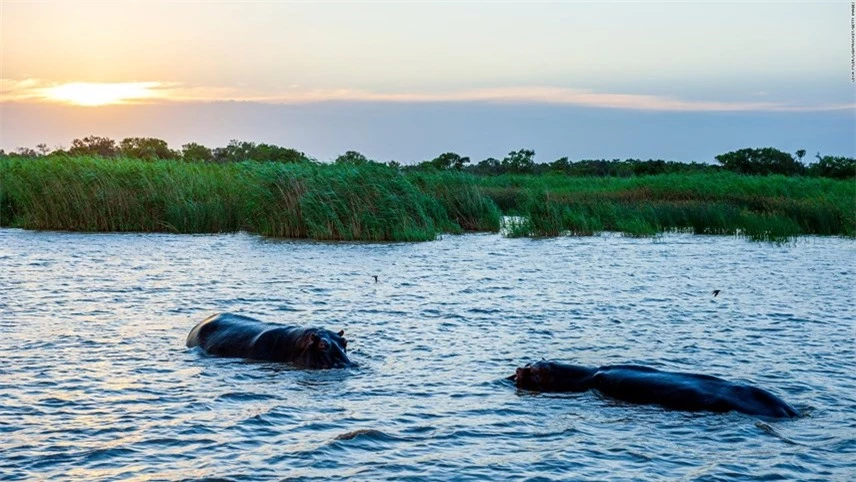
x: 407, y: 81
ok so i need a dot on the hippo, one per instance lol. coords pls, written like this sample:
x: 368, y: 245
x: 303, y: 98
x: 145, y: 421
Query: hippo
x: 232, y: 335
x: 644, y: 385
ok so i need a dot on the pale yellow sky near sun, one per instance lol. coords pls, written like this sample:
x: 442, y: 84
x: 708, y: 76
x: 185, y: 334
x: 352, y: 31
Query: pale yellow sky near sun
x: 665, y: 56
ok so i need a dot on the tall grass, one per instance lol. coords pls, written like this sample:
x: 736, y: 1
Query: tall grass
x: 378, y: 203
x: 461, y: 199
x: 367, y: 202
x: 772, y: 208
x: 93, y: 194
x: 307, y: 200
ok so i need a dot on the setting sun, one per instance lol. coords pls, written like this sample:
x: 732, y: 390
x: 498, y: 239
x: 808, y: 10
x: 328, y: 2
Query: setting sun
x: 95, y: 94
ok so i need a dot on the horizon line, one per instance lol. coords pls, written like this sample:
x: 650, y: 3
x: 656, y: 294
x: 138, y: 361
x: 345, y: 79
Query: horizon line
x: 110, y: 94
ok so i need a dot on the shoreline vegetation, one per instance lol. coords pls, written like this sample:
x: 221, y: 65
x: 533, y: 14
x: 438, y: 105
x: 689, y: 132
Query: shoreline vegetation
x: 140, y: 185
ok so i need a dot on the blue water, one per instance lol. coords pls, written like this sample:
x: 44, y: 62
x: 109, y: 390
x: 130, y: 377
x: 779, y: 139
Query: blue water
x: 96, y: 384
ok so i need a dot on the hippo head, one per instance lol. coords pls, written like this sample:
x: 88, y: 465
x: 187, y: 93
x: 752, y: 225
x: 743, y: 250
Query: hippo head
x: 532, y: 376
x: 324, y: 349
x: 548, y: 376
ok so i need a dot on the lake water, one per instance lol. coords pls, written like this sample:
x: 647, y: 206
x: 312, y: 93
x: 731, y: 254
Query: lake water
x: 96, y: 383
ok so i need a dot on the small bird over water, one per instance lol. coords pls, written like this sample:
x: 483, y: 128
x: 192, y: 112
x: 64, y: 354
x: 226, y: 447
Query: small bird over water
x: 715, y: 293
x: 375, y: 278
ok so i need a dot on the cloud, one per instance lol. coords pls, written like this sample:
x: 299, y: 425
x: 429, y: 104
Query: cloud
x: 35, y: 90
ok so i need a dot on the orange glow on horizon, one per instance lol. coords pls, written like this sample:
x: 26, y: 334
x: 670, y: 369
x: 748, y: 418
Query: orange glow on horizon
x: 94, y: 94
x: 98, y: 94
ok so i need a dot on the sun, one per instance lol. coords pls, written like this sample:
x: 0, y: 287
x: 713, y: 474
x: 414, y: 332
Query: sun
x: 101, y: 93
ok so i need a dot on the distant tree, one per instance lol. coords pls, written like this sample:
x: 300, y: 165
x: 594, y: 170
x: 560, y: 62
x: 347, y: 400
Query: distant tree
x: 459, y: 162
x: 352, y: 158
x: 647, y: 168
x: 235, y: 151
x: 146, y: 148
x: 272, y: 153
x: 394, y: 165
x: 94, y: 146
x: 450, y: 160
x: 519, y: 162
x: 239, y: 151
x: 561, y: 165
x: 447, y: 161
x: 592, y: 167
x: 43, y: 149
x: 26, y: 152
x: 800, y: 154
x: 489, y: 166
x: 760, y: 161
x: 58, y: 151
x: 193, y: 152
x: 837, y: 167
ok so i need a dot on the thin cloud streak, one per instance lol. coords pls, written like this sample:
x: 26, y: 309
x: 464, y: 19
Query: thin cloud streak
x: 35, y: 90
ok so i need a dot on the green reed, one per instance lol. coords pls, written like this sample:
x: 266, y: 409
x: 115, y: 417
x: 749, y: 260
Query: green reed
x: 770, y: 208
x: 301, y: 200
x: 375, y: 202
x: 461, y: 199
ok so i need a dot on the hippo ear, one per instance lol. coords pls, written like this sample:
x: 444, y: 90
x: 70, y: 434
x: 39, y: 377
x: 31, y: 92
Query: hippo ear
x: 341, y: 333
x: 313, y: 337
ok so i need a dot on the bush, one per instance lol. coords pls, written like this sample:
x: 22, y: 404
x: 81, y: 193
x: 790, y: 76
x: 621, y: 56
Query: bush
x: 836, y: 167
x: 146, y: 148
x: 353, y: 158
x: 238, y: 151
x: 94, y: 146
x: 761, y: 161
x: 194, y: 152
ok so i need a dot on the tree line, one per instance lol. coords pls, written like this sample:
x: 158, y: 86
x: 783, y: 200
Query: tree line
x: 150, y: 148
x: 760, y: 161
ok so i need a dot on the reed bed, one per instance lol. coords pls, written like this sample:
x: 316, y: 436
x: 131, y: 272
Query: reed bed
x: 461, y: 199
x: 300, y: 200
x: 769, y: 208
x: 374, y: 202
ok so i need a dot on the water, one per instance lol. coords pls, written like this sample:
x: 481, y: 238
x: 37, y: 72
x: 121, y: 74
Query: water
x: 96, y: 384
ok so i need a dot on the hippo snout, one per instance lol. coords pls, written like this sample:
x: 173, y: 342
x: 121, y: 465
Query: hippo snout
x: 343, y: 363
x: 523, y: 376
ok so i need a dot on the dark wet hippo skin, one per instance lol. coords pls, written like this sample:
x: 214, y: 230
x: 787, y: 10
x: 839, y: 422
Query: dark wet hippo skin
x: 643, y: 385
x: 231, y: 335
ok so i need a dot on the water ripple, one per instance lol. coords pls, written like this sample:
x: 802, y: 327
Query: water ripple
x: 97, y: 384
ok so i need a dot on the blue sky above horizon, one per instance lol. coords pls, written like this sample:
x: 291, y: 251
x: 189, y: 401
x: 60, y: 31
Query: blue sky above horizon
x: 407, y: 81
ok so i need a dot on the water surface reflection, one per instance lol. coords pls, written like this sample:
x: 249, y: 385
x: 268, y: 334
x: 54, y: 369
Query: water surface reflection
x: 96, y: 382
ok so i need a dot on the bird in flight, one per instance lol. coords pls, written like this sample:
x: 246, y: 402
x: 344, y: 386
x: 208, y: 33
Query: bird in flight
x: 716, y: 293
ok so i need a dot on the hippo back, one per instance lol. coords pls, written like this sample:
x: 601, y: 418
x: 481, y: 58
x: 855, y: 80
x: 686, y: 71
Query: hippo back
x: 225, y: 334
x: 687, y: 391
x: 759, y: 402
x: 231, y: 335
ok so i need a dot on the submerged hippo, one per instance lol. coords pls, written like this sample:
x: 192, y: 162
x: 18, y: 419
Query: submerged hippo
x: 638, y: 384
x: 232, y: 335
